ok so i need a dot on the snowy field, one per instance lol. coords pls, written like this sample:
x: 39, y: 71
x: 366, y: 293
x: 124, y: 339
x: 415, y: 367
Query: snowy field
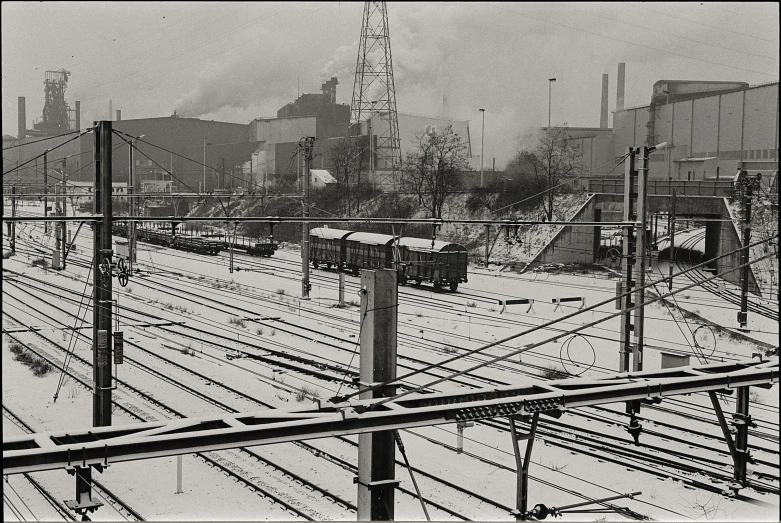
x: 256, y: 312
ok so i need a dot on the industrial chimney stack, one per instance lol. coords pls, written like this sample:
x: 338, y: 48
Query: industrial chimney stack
x: 603, y: 111
x: 22, y: 119
x: 620, y: 87
x: 78, y: 115
x: 119, y: 115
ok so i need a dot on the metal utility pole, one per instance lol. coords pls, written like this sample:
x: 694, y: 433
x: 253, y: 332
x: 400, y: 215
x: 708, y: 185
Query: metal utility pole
x: 204, y: 165
x: 101, y: 311
x: 487, y: 238
x: 671, y: 230
x: 482, y: 142
x: 45, y: 191
x: 748, y: 196
x: 13, y: 214
x: 102, y: 297
x: 307, y: 146
x: 64, y: 224
x: 131, y: 226
x: 640, y: 262
x: 627, y: 261
x: 376, y: 451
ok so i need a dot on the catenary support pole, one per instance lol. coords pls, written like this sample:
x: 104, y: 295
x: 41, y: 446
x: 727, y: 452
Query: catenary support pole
x: 641, y: 244
x: 45, y: 190
x: 742, y: 421
x: 522, y: 466
x: 64, y: 211
x: 671, y: 230
x: 13, y: 224
x: 487, y: 238
x: 627, y: 262
x: 748, y: 196
x: 102, y: 296
x: 376, y: 451
x: 307, y: 146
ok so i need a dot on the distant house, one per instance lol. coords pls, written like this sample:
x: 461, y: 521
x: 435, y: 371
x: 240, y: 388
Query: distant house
x: 319, y: 178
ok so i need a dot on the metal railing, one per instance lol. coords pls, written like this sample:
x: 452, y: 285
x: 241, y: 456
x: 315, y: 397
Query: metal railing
x: 713, y: 188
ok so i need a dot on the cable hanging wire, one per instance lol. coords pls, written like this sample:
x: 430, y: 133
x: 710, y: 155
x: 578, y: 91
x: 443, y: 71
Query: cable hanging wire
x: 221, y: 171
x: 41, y: 140
x: 527, y: 347
x: 82, y: 133
x: 543, y: 326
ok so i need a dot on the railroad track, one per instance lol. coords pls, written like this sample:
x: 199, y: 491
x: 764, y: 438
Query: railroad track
x: 616, y: 446
x: 213, y: 459
x: 698, y: 276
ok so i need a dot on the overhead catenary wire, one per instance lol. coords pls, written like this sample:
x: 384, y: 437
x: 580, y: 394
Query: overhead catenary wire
x: 12, y: 169
x: 547, y: 324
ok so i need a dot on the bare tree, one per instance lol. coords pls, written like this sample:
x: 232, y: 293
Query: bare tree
x: 554, y: 159
x: 433, y: 170
x: 347, y: 159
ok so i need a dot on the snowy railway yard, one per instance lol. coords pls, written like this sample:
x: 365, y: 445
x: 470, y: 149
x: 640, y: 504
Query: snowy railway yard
x: 201, y: 341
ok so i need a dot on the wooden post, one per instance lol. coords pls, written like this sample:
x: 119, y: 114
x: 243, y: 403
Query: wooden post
x: 377, y: 451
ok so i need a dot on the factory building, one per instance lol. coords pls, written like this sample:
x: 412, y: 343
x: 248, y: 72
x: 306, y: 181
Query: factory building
x: 711, y: 130
x: 223, y: 147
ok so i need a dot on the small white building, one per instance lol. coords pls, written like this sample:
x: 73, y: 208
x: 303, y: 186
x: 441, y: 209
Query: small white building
x: 319, y: 178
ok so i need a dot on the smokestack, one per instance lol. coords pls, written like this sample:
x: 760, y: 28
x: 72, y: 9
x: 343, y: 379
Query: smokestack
x: 22, y: 119
x: 110, y: 109
x: 603, y: 111
x: 78, y: 115
x: 119, y: 115
x: 620, y: 87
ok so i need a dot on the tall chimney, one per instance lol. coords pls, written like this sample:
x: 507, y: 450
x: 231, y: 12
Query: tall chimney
x: 603, y: 111
x: 78, y: 115
x: 22, y: 119
x: 110, y: 109
x: 620, y: 87
x: 119, y: 115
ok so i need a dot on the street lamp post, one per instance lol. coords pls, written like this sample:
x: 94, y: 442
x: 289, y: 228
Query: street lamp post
x: 482, y: 143
x: 550, y: 85
x: 204, y: 165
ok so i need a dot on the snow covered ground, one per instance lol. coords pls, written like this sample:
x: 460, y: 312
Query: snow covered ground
x: 432, y: 326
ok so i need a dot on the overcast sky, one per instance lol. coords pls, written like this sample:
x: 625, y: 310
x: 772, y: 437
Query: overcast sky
x: 238, y: 61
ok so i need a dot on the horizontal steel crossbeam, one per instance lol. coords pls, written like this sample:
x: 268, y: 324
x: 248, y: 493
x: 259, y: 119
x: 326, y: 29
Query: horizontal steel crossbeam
x: 299, y: 219
x: 107, y: 445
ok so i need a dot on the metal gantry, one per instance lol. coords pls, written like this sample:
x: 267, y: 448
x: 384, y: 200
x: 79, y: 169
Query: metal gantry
x: 107, y: 445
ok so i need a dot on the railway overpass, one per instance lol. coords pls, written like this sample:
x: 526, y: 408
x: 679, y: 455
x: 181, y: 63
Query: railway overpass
x: 706, y: 200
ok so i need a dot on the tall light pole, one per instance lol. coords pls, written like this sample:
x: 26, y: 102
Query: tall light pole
x: 482, y: 143
x: 550, y: 85
x: 204, y: 165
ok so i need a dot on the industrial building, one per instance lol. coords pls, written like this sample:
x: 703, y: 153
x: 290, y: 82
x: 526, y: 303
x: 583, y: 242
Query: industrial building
x: 711, y: 129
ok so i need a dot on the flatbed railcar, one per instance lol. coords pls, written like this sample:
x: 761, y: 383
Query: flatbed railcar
x: 164, y: 238
x: 440, y: 263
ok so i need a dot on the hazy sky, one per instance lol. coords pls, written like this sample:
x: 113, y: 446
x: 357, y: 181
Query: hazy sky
x: 238, y: 61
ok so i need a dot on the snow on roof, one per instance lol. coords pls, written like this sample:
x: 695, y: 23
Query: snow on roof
x: 370, y: 237
x: 328, y: 233
x: 422, y: 243
x: 323, y: 174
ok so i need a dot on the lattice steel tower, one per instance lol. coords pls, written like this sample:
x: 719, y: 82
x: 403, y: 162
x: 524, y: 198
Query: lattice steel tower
x: 374, y: 94
x: 57, y: 115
